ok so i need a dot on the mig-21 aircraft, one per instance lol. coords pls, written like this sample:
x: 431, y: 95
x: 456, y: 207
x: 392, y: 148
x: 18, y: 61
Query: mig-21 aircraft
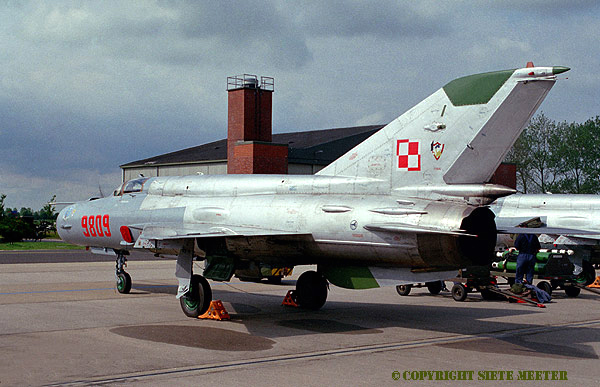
x: 563, y: 221
x: 406, y: 205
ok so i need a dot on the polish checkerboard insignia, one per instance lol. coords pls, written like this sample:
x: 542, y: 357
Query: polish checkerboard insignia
x: 409, y: 155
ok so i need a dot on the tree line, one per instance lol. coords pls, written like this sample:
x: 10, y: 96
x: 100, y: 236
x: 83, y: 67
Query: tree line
x: 558, y: 157
x: 26, y: 223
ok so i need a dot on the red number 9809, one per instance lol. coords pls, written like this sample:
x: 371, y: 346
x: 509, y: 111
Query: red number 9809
x: 96, y: 225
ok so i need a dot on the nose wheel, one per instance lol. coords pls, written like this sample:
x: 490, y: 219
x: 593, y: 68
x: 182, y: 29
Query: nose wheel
x: 124, y: 282
x: 123, y: 278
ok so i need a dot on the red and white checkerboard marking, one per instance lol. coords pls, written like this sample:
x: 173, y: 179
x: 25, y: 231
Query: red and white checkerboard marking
x: 409, y: 155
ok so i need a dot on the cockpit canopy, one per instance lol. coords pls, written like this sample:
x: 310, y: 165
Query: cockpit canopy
x: 131, y: 186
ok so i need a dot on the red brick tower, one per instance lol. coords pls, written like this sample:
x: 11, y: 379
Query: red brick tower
x: 249, y: 132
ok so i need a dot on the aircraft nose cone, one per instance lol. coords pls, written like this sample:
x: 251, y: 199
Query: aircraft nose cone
x: 559, y: 69
x: 63, y: 224
x: 60, y: 222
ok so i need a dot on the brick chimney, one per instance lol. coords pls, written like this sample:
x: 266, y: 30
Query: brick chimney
x: 249, y: 127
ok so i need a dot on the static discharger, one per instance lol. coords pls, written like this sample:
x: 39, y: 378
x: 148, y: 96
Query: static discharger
x: 290, y: 299
x: 216, y: 311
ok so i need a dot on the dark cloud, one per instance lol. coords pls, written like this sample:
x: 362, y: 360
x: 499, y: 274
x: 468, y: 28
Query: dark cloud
x: 384, y: 19
x: 556, y: 8
x: 86, y: 86
x: 186, y: 33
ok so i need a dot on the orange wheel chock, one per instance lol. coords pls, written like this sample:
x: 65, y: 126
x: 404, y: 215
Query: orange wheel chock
x: 216, y: 311
x: 596, y: 283
x: 290, y: 299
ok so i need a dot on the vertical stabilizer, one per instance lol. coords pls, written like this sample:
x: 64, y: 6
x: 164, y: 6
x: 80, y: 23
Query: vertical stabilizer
x: 458, y: 135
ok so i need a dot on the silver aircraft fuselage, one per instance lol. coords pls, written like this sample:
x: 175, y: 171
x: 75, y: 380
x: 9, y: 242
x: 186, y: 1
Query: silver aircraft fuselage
x: 568, y: 211
x: 311, y: 220
x: 565, y: 220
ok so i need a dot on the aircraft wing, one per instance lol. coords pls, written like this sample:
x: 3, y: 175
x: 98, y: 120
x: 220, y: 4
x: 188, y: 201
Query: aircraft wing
x: 537, y: 225
x: 202, y: 230
x: 411, y: 228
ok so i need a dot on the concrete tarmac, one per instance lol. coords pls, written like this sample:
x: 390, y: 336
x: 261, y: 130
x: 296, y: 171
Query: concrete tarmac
x: 64, y: 324
x: 56, y: 256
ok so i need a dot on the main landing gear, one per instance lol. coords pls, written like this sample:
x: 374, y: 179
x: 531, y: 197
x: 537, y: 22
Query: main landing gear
x: 123, y: 278
x: 194, y: 291
x: 197, y: 300
x: 311, y: 290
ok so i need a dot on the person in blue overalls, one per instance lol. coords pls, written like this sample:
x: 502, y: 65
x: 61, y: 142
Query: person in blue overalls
x: 528, y: 246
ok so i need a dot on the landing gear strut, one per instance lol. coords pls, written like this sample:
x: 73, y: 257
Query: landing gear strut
x: 194, y: 292
x: 123, y: 278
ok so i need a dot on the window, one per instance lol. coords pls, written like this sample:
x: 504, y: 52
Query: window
x: 134, y: 185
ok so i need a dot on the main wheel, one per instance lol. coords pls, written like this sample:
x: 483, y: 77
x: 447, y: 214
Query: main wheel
x: 572, y: 291
x: 459, y: 292
x: 123, y: 282
x: 403, y: 290
x: 588, y: 275
x: 311, y: 290
x: 197, y: 300
x: 545, y: 286
x: 434, y: 287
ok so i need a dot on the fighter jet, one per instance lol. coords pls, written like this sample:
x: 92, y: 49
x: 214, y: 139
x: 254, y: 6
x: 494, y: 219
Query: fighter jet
x: 406, y: 205
x: 562, y: 221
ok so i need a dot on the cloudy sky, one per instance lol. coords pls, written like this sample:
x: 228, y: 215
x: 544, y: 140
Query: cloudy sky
x: 88, y: 86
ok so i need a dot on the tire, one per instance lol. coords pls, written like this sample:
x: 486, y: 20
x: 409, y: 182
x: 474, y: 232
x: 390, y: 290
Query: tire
x: 459, y: 292
x: 545, y: 286
x: 434, y: 287
x: 197, y: 300
x: 403, y: 290
x: 588, y: 275
x: 123, y: 282
x: 311, y: 290
x: 572, y: 291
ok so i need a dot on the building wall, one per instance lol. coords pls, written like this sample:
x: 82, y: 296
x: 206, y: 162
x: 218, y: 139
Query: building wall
x: 254, y: 157
x: 303, y: 169
x: 132, y: 173
x: 193, y: 169
x: 218, y: 168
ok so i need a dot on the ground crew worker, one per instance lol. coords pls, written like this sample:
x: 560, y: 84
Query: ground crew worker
x: 528, y: 246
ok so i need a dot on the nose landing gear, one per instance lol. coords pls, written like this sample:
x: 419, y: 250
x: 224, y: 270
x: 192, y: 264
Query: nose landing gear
x: 123, y: 278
